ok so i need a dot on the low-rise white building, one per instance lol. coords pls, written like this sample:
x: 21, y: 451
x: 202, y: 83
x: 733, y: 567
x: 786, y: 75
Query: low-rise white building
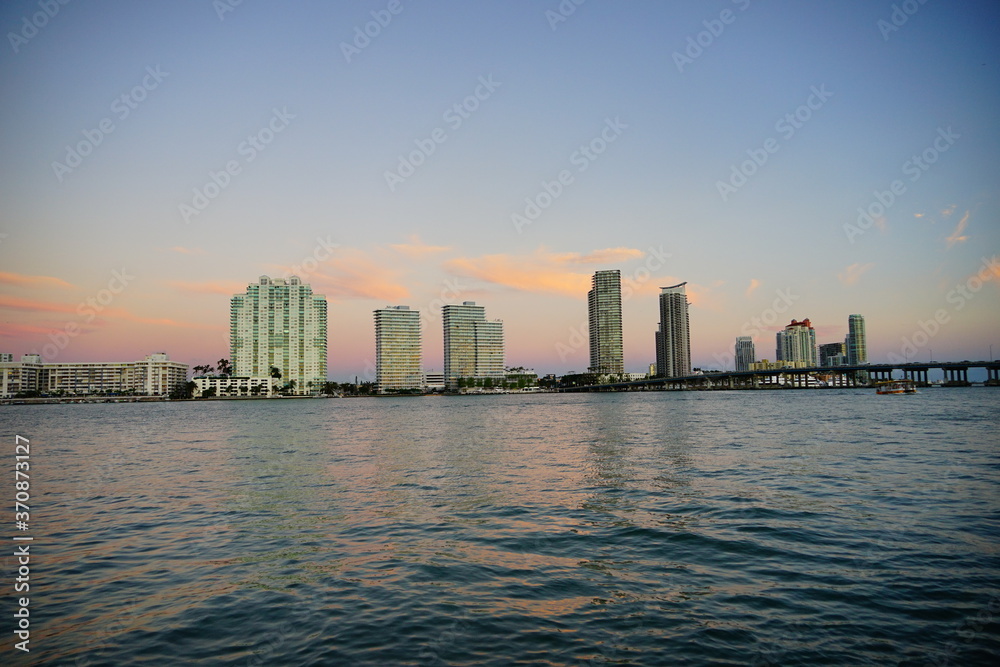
x: 225, y: 385
x: 155, y: 375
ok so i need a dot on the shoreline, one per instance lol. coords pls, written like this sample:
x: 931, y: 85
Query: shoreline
x: 567, y: 390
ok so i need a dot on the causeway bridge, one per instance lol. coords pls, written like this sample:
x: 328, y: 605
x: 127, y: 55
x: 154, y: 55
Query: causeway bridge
x: 956, y: 374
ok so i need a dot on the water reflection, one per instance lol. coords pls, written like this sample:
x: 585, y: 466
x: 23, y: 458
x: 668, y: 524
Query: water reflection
x: 571, y: 527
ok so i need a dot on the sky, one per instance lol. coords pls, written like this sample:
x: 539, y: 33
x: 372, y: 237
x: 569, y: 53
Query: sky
x: 787, y: 160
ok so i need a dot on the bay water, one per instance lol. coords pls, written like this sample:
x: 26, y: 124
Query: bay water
x: 742, y: 527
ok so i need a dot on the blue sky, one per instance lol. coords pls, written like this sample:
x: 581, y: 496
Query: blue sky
x: 317, y: 195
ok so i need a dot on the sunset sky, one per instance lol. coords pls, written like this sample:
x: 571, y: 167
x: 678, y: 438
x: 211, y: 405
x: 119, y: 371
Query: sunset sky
x: 160, y: 156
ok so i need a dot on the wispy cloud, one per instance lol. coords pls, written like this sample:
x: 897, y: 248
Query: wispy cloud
x: 754, y: 284
x: 85, y: 311
x: 209, y: 287
x: 188, y: 251
x: 541, y: 271
x: 853, y: 273
x: 34, y: 305
x: 22, y: 280
x: 957, y: 235
x: 417, y: 249
x: 948, y: 211
x: 605, y: 256
x: 354, y: 274
x: 528, y: 274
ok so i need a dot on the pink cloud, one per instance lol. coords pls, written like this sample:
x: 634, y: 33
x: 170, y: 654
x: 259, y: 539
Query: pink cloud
x: 542, y: 271
x: 956, y: 235
x: 228, y: 288
x: 417, y: 249
x: 851, y: 274
x: 22, y: 280
x: 354, y: 274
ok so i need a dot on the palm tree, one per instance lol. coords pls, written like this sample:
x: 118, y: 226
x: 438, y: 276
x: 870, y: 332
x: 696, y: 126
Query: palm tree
x: 225, y: 368
x: 275, y: 372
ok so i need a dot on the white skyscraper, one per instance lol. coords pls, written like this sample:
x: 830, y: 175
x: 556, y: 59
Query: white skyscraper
x: 745, y: 354
x: 473, y: 346
x: 279, y: 324
x: 397, y: 349
x: 856, y: 343
x: 604, y: 308
x: 673, y: 340
x: 797, y: 343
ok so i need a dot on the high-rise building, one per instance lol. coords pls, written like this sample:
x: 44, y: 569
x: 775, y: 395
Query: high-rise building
x: 745, y: 354
x: 856, y: 343
x: 473, y: 346
x: 397, y: 349
x: 279, y: 324
x: 673, y: 340
x: 797, y: 343
x: 604, y: 306
x: 832, y: 354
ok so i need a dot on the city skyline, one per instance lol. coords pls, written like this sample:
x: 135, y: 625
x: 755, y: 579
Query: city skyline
x: 802, y: 160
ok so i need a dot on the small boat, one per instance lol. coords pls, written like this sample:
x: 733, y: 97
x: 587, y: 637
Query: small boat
x: 896, y: 387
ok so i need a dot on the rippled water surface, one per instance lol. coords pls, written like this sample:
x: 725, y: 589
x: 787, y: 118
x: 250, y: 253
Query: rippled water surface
x: 766, y: 528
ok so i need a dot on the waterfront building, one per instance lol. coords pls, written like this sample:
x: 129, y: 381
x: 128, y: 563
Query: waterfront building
x: 226, y: 385
x: 397, y: 350
x: 433, y: 381
x: 856, y: 342
x: 673, y: 339
x: 473, y: 346
x: 604, y: 309
x: 280, y: 324
x: 832, y: 354
x: 155, y: 375
x: 745, y: 354
x: 20, y: 376
x: 766, y: 365
x: 797, y: 342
